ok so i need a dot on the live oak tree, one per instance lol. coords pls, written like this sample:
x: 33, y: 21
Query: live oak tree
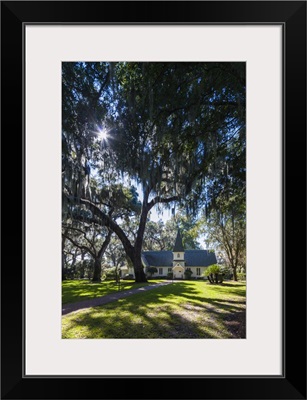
x: 225, y: 229
x: 90, y: 240
x: 115, y: 256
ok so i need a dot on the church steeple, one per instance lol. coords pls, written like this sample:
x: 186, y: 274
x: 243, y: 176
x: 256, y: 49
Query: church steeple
x: 178, y: 251
x: 178, y: 243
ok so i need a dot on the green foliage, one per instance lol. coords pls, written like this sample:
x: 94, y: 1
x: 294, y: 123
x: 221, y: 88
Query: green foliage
x: 213, y: 269
x: 226, y: 230
x: 112, y: 273
x: 226, y: 271
x: 241, y: 276
x: 214, y: 273
x: 170, y: 276
x: 152, y: 270
x: 161, y: 236
x: 187, y: 274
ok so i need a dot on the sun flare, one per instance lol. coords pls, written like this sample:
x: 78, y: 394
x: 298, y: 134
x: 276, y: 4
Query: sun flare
x: 102, y: 134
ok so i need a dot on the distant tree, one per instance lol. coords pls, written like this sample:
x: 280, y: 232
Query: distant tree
x: 189, y: 228
x: 88, y: 240
x: 154, y: 236
x: 226, y: 230
x: 115, y: 255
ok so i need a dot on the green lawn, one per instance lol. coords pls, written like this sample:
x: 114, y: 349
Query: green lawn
x: 78, y: 290
x: 188, y: 309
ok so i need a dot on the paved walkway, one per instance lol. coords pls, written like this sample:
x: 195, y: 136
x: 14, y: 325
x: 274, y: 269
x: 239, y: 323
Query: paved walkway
x: 80, y: 305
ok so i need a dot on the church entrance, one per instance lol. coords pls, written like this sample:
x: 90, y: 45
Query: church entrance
x: 178, y: 271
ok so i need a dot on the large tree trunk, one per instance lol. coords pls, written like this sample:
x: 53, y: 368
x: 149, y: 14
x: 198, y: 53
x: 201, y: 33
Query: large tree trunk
x: 234, y: 270
x: 73, y: 263
x: 139, y: 273
x: 82, y: 266
x: 135, y: 257
x: 97, y: 270
x: 64, y: 277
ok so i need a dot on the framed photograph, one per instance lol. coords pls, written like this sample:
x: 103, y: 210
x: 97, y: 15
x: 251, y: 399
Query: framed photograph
x: 216, y: 92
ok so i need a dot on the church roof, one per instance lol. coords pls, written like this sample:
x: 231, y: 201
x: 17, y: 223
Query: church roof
x: 178, y: 243
x: 193, y: 258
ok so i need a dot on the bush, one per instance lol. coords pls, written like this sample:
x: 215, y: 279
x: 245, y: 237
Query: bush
x: 170, y: 275
x: 241, y: 276
x: 187, y: 274
x: 152, y: 270
x: 112, y: 273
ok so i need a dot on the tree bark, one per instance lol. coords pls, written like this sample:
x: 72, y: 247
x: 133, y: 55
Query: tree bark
x: 235, y: 276
x: 97, y: 270
x: 139, y: 273
x: 64, y: 277
x: 98, y: 258
x: 82, y: 266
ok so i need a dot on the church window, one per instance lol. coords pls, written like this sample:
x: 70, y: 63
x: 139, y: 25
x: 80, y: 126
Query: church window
x: 178, y: 255
x: 169, y: 270
x: 198, y: 271
x: 160, y: 271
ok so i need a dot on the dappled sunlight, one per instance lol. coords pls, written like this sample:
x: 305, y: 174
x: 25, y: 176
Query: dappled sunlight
x: 79, y: 290
x: 165, y: 312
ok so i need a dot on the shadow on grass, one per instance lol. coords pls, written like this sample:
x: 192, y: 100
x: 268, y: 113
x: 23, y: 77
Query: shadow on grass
x: 79, y: 290
x: 158, y: 314
x: 232, y: 285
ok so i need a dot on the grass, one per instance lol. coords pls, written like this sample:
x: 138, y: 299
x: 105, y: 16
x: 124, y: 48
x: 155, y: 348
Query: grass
x: 187, y: 309
x: 78, y: 290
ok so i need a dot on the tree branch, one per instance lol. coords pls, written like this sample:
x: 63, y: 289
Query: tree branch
x: 105, y: 244
x: 90, y: 242
x: 159, y: 199
x: 105, y: 220
x: 81, y: 247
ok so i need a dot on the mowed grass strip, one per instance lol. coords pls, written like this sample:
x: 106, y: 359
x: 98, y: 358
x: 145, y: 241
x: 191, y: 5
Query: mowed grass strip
x: 79, y: 290
x: 187, y: 309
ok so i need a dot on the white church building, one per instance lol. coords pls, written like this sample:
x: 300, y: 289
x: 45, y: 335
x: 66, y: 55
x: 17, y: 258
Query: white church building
x: 178, y: 261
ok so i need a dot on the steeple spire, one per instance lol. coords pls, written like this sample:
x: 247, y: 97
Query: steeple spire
x: 178, y: 243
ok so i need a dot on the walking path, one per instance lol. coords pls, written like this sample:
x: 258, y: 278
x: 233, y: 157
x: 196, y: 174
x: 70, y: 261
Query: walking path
x: 80, y: 305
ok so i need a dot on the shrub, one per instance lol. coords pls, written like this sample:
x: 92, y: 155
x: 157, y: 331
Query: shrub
x: 241, y: 276
x: 152, y: 270
x: 170, y: 275
x: 187, y: 274
x: 111, y: 273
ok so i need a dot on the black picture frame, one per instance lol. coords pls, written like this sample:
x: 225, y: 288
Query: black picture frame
x: 292, y: 16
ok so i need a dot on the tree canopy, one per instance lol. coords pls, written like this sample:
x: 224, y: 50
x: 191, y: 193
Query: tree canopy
x: 138, y: 135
